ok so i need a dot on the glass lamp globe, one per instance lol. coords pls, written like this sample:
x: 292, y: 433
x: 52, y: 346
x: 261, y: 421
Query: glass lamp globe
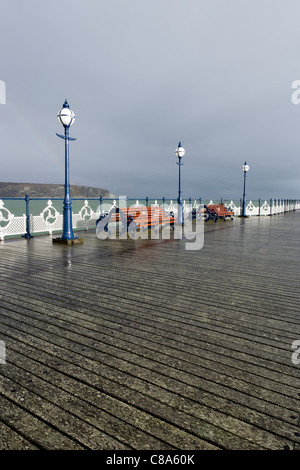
x: 245, y: 167
x: 179, y: 151
x: 66, y: 116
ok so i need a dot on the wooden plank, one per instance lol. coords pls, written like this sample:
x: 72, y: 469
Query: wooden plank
x: 11, y: 440
x: 128, y: 345
x: 65, y: 422
x: 142, y: 427
x: 185, y: 421
x: 44, y: 436
x: 214, y: 372
x: 272, y: 338
x: 114, y: 329
x: 92, y: 427
x: 68, y: 296
x: 139, y: 385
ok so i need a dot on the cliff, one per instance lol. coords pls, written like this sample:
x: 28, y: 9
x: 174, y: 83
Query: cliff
x: 49, y: 190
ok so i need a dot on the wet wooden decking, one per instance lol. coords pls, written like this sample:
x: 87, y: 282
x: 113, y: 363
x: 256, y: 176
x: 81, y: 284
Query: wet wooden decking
x: 144, y: 345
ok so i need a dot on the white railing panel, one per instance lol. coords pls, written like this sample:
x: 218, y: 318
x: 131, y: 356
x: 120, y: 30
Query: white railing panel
x: 10, y: 224
x: 50, y: 220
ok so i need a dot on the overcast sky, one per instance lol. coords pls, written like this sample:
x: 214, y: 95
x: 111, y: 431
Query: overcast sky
x: 142, y: 75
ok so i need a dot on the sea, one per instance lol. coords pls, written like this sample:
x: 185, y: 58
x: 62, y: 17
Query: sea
x: 17, y: 206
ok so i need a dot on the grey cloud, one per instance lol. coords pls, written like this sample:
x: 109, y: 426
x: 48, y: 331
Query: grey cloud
x: 142, y: 75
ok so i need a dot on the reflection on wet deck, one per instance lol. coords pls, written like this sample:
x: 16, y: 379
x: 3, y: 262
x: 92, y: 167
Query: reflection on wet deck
x: 124, y: 344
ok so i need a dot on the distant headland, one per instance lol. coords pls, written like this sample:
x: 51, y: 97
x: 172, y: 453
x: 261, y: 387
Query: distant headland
x: 49, y: 190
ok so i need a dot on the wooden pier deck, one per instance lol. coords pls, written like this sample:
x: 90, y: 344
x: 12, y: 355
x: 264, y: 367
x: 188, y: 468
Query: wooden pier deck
x: 115, y: 345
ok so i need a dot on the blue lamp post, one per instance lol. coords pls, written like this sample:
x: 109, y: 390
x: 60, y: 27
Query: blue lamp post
x: 245, y: 168
x: 27, y: 234
x: 67, y: 117
x: 180, y: 153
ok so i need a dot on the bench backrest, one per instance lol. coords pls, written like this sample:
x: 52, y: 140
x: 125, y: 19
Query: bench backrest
x: 218, y: 208
x: 157, y: 214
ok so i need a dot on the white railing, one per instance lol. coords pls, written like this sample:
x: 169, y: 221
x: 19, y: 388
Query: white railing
x: 47, y: 222
x: 256, y: 208
x: 9, y: 224
x: 50, y: 220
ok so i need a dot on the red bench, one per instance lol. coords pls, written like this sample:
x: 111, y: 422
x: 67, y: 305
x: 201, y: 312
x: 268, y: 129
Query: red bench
x: 217, y: 211
x: 143, y: 218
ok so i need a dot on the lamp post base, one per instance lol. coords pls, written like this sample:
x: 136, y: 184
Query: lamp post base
x: 66, y: 241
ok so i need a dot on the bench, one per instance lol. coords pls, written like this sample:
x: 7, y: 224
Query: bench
x: 217, y: 211
x: 143, y: 218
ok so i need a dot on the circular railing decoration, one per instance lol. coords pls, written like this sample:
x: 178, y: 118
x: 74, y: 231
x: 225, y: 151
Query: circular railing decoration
x: 231, y: 206
x: 250, y: 207
x: 49, y: 214
x: 86, y: 212
x: 5, y: 216
x: 265, y: 207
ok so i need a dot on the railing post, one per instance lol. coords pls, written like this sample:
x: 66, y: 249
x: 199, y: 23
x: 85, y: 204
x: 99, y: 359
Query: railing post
x: 101, y: 205
x: 163, y: 199
x: 147, y: 201
x: 259, y: 207
x: 27, y: 234
x: 271, y: 207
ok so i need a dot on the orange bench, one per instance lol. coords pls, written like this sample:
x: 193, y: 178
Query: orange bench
x: 142, y: 218
x: 217, y: 211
